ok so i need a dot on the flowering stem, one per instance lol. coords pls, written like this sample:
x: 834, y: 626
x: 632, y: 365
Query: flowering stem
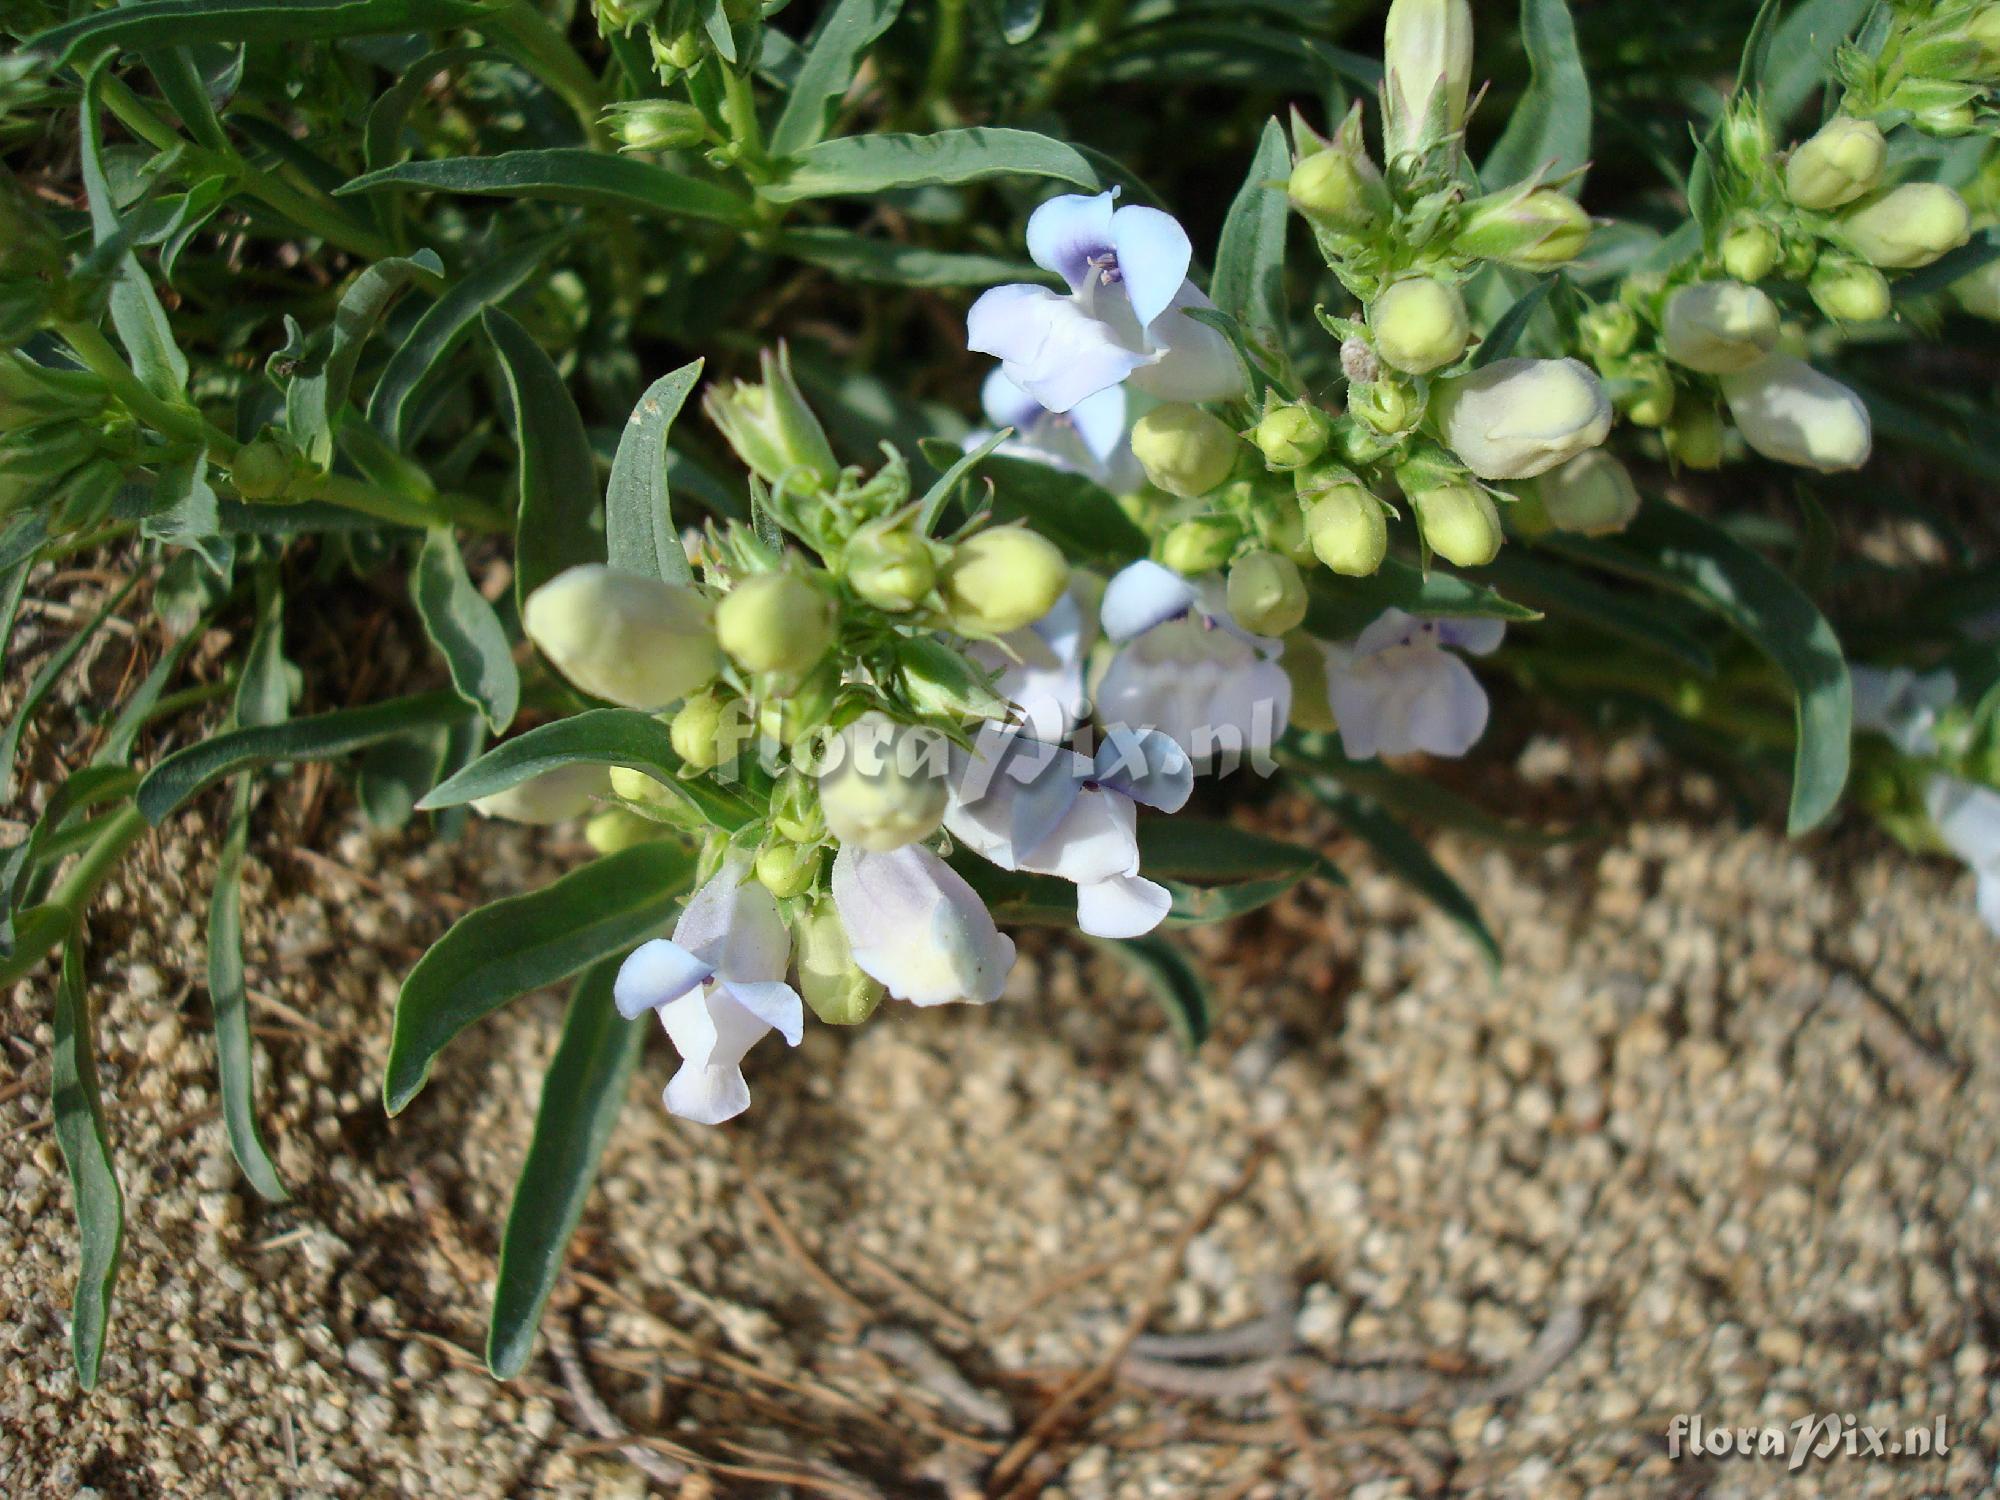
x: 739, y: 106
x: 946, y: 54
x: 118, y: 833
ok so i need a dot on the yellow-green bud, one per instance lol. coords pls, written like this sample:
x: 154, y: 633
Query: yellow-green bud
x: 890, y: 566
x: 1304, y: 664
x: 1592, y: 494
x: 1331, y: 187
x: 1849, y: 291
x: 1750, y: 251
x: 1419, y: 324
x: 637, y: 786
x: 772, y: 429
x: 1608, y: 330
x: 1427, y: 72
x: 1281, y: 526
x: 1839, y: 164
x: 795, y: 811
x: 1200, y: 545
x: 1001, y: 579
x: 1385, y: 406
x: 1982, y: 30
x: 1642, y: 387
x: 696, y: 734
x: 1183, y: 449
x: 1349, y: 531
x: 623, y: 15
x: 636, y: 641
x: 1719, y: 327
x: 789, y: 717
x: 552, y: 797
x: 1978, y: 292
x: 1535, y: 231
x: 1291, y: 435
x: 1459, y: 522
x: 657, y: 125
x: 1907, y: 226
x: 830, y: 983
x: 1266, y: 595
x: 1695, y: 436
x: 775, y: 622
x: 885, y: 784
x: 675, y: 54
x: 616, y: 830
x: 261, y: 470
x: 787, y: 870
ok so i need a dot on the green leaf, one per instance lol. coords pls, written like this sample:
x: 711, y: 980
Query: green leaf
x: 1567, y: 593
x: 1342, y: 607
x: 465, y: 629
x: 863, y: 164
x: 187, y: 513
x: 43, y: 682
x: 181, y: 86
x: 137, y: 708
x: 931, y: 506
x: 938, y: 680
x: 229, y: 999
x: 889, y: 263
x: 1419, y: 797
x: 1508, y: 328
x: 1549, y: 131
x: 79, y: 1128
x: 1404, y: 854
x: 1172, y: 980
x: 582, y: 1093
x: 386, y: 115
x: 317, y: 737
x: 1077, y: 515
x: 80, y: 791
x: 1215, y: 871
x: 1802, y: 52
x: 554, y: 529
x: 184, y: 22
x: 135, y: 308
x: 1249, y: 279
x: 443, y: 326
x: 1768, y: 609
x: 598, y: 737
x: 639, y: 532
x: 1757, y: 47
x: 318, y: 390
x: 833, y: 52
x: 566, y: 174
x: 503, y: 950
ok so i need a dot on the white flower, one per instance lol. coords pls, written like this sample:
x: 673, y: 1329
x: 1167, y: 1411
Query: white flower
x: 915, y: 925
x: 1187, y: 669
x: 1898, y: 704
x: 1792, y: 414
x: 1040, y: 669
x: 552, y: 797
x: 1967, y: 816
x: 1397, y: 689
x: 1125, y: 316
x: 719, y: 987
x: 1030, y: 806
x: 1092, y: 438
x: 1516, y: 418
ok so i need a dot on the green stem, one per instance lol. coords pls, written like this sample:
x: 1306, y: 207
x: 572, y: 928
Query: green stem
x: 175, y: 419
x: 546, y: 53
x: 739, y: 105
x: 119, y: 832
x: 947, y: 52
x: 1097, y: 28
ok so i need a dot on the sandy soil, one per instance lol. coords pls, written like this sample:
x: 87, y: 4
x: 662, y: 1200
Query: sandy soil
x: 1719, y: 1139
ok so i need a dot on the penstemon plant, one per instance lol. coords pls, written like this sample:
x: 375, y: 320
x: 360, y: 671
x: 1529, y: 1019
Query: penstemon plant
x: 844, y: 682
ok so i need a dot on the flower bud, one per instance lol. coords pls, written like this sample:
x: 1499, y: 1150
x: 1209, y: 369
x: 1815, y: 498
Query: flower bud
x: 787, y: 870
x: 697, y: 734
x: 1907, y: 226
x: 1718, y: 327
x: 1183, y: 449
x: 1849, y: 291
x: 1746, y: 135
x: 1304, y: 664
x: 890, y: 566
x: 1200, y: 545
x: 885, y: 785
x: 1978, y: 292
x: 1790, y: 412
x: 1419, y: 324
x: 1839, y: 164
x: 772, y: 429
x: 1695, y: 435
x: 775, y: 622
x: 1459, y: 521
x: 616, y: 830
x: 1427, y: 62
x: 1642, y: 387
x: 790, y: 718
x: 1349, y: 531
x: 1535, y: 231
x: 552, y: 797
x: 1386, y: 406
x: 1516, y: 418
x: 676, y: 54
x: 637, y: 786
x: 795, y: 811
x: 261, y: 470
x: 1592, y: 494
x: 657, y: 125
x: 830, y: 982
x: 1266, y: 595
x: 1001, y: 579
x: 1608, y: 330
x: 623, y: 15
x: 1335, y: 187
x: 1982, y: 32
x: 1291, y: 435
x: 633, y: 640
x: 1750, y: 251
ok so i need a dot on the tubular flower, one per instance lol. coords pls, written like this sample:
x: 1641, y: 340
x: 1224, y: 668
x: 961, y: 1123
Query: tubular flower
x: 1719, y: 327
x: 914, y: 925
x: 1516, y: 418
x: 1398, y: 688
x: 1125, y: 316
x: 1791, y: 413
x: 1039, y: 669
x: 1092, y: 438
x: 1967, y: 817
x: 634, y: 640
x: 552, y: 797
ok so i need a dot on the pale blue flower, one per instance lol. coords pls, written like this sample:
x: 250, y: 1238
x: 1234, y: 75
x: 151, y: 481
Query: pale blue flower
x: 1901, y: 706
x: 1092, y: 438
x: 1398, y: 687
x: 1125, y: 316
x: 1967, y: 817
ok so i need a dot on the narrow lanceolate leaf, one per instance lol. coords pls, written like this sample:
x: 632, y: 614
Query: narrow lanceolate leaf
x: 316, y: 394
x: 1172, y: 980
x: 639, y: 534
x: 1420, y: 798
x: 229, y: 998
x: 1215, y: 871
x: 1079, y: 516
x: 597, y: 737
x: 889, y: 263
x: 78, y: 1110
x: 862, y: 164
x: 188, y: 514
x: 135, y: 307
x: 1803, y: 49
x: 1549, y: 131
x: 465, y: 629
x: 582, y: 1093
x: 832, y: 54
x: 185, y: 22
x: 317, y: 737
x: 555, y: 528
x: 1768, y: 609
x: 566, y: 174
x: 1511, y: 324
x: 1570, y: 593
x: 504, y: 950
x: 1340, y: 608
x: 1405, y: 854
x: 1249, y: 279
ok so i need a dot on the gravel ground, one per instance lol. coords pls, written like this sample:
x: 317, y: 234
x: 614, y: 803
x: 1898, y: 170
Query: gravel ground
x: 1720, y: 1138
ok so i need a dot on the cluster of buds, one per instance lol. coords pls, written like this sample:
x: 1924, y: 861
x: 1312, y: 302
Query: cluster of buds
x: 1934, y: 64
x: 63, y: 448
